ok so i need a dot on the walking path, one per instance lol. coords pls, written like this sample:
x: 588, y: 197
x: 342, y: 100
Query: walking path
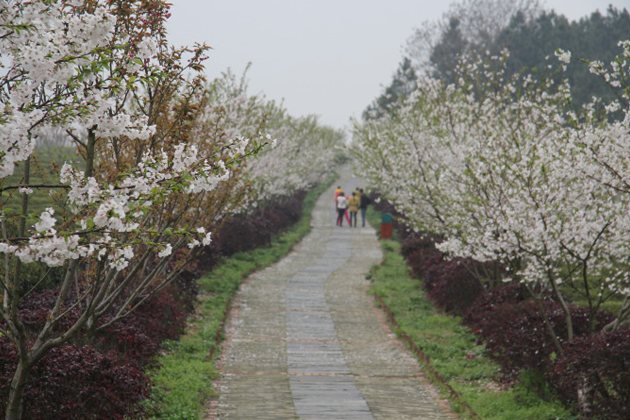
x: 305, y: 340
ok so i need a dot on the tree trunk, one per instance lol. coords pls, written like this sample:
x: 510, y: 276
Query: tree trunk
x: 584, y: 399
x: 90, y: 153
x: 15, y: 403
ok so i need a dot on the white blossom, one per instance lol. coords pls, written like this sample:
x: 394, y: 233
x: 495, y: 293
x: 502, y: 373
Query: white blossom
x: 168, y: 250
x: 563, y: 56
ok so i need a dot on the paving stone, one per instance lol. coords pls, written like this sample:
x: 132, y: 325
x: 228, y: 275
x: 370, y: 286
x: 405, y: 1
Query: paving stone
x: 303, y: 300
x: 250, y: 357
x: 260, y: 324
x: 316, y: 358
x: 399, y: 399
x: 328, y: 398
x: 376, y: 359
x: 350, y: 302
x: 272, y: 399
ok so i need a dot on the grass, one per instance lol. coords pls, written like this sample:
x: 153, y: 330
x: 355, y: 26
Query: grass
x: 452, y: 350
x: 45, y: 162
x: 183, y: 381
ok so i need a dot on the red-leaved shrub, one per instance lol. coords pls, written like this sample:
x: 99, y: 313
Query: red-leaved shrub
x: 244, y: 233
x: 77, y: 383
x: 597, y: 364
x: 415, y: 241
x: 34, y: 310
x: 516, y: 335
x: 434, y: 269
x: 418, y: 249
x: 456, y: 288
x: 487, y: 302
x: 138, y: 336
x: 8, y: 360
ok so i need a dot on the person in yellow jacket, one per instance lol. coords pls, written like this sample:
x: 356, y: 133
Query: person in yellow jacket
x: 353, y: 208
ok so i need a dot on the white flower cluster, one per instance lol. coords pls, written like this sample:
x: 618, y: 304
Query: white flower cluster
x: 47, y: 245
x: 42, y: 67
x: 116, y: 209
x: 564, y: 56
x: 205, y: 238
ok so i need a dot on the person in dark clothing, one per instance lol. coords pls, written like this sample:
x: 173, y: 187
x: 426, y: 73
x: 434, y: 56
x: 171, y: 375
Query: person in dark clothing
x: 364, y: 202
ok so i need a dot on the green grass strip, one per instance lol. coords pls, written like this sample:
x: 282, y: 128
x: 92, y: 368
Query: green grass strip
x: 451, y: 349
x: 183, y: 381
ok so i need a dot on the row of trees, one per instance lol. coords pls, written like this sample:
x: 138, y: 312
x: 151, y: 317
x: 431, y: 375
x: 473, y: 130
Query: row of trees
x: 503, y: 169
x: 164, y: 157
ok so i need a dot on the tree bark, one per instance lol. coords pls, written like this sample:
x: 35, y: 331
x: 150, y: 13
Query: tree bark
x: 584, y: 398
x: 15, y: 404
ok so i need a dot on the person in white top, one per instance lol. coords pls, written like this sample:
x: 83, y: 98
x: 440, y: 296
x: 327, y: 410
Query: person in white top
x: 342, y: 205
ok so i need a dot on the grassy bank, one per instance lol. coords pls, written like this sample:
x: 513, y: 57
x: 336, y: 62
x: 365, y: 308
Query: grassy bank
x: 456, y: 364
x: 183, y: 382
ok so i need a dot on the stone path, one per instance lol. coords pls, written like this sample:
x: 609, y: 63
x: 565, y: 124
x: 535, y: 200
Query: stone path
x: 305, y: 340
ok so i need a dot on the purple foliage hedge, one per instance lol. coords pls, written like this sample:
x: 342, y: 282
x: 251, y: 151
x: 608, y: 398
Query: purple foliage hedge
x: 420, y: 252
x: 516, y: 336
x: 604, y: 360
x: 455, y: 286
x: 241, y: 234
x: 77, y: 383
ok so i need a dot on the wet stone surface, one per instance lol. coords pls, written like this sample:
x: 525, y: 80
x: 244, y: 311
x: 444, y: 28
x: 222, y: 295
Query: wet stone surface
x: 305, y: 340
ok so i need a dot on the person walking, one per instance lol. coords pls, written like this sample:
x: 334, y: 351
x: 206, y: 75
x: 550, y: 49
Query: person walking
x: 346, y: 213
x: 342, y: 205
x: 364, y: 201
x: 353, y: 208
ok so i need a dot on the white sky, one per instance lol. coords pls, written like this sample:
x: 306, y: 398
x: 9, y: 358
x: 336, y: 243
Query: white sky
x: 325, y: 57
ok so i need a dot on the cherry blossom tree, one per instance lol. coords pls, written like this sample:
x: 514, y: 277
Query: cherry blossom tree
x: 104, y: 74
x: 602, y: 137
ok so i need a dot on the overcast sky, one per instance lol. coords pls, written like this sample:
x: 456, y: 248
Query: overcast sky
x: 325, y: 57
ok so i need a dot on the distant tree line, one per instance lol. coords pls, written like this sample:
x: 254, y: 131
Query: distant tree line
x: 531, y: 35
